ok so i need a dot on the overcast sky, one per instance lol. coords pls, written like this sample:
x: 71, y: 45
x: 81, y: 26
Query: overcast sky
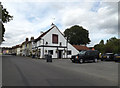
x: 31, y: 17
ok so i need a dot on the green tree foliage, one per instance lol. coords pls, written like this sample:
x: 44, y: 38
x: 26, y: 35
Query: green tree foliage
x: 100, y: 46
x: 3, y: 31
x: 102, y: 42
x: 112, y: 46
x: 77, y: 35
x: 4, y: 17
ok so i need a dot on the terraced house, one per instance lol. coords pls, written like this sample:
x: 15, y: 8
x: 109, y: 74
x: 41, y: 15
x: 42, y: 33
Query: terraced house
x: 26, y: 47
x: 53, y: 42
x: 29, y: 47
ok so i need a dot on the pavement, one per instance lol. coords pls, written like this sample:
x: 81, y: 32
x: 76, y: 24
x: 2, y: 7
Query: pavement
x: 25, y: 71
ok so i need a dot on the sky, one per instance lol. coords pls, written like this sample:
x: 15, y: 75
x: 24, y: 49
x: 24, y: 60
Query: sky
x: 31, y: 17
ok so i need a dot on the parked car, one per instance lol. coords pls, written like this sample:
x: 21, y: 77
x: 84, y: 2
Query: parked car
x: 117, y: 57
x: 107, y: 56
x: 14, y: 54
x: 86, y: 56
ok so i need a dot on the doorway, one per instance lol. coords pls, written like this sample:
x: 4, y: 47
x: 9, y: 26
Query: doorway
x: 60, y: 53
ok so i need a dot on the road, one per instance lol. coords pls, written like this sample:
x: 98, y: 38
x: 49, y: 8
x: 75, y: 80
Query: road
x: 25, y: 71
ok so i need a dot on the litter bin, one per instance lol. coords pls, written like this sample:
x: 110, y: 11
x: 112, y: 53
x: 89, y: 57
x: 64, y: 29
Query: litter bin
x: 48, y: 57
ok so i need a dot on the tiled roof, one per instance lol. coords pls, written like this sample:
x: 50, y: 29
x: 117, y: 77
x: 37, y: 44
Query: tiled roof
x: 5, y: 48
x: 79, y: 47
x: 17, y: 46
x: 23, y: 43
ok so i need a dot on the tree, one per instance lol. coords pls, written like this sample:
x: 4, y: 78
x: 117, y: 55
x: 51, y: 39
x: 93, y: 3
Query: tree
x: 102, y: 42
x: 112, y: 46
x: 100, y: 46
x: 77, y: 35
x: 4, y: 18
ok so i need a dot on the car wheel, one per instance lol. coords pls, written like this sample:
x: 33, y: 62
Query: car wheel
x: 116, y: 61
x: 81, y: 61
x: 103, y: 59
x: 95, y: 60
x: 73, y: 61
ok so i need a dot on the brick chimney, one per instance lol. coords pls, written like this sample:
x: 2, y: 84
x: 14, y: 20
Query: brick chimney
x: 32, y: 39
x: 27, y: 39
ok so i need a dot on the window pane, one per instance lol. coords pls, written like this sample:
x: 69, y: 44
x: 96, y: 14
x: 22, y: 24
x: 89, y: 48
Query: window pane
x: 69, y: 52
x: 55, y: 38
x: 50, y: 52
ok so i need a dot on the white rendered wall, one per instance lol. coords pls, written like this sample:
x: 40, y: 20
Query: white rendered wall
x: 61, y: 38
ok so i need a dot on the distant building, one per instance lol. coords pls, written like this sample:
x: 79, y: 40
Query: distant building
x: 24, y: 47
x: 18, y: 50
x: 5, y: 50
x: 29, y: 47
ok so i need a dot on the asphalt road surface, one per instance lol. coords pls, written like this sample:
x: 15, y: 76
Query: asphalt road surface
x: 25, y: 71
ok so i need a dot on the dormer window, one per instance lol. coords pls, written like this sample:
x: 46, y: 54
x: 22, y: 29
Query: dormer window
x: 55, y: 38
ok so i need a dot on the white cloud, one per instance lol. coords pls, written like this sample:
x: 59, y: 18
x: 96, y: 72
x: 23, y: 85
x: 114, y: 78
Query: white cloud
x: 100, y: 23
x: 31, y: 18
x: 58, y: 0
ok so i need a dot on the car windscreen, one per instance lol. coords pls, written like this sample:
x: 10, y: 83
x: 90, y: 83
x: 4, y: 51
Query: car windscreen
x: 109, y: 54
x: 82, y: 52
x: 117, y: 54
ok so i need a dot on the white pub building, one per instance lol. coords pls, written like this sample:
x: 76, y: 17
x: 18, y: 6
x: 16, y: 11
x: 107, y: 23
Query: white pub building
x: 53, y: 42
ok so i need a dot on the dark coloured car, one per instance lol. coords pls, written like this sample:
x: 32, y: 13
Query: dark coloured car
x: 85, y: 56
x: 107, y: 56
x: 14, y: 54
x: 117, y: 57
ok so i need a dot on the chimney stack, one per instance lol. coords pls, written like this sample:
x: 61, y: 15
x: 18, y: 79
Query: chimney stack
x: 32, y: 39
x: 26, y: 39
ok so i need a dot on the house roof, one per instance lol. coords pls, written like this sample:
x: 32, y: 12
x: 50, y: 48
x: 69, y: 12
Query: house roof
x: 17, y: 46
x: 80, y: 47
x: 3, y: 48
x: 43, y: 34
x: 23, y: 43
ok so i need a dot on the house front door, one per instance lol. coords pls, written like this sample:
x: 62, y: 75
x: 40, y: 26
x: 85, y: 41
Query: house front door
x: 60, y: 53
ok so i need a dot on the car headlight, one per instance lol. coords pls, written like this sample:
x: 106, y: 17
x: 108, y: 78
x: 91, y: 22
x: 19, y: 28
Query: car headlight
x: 77, y: 57
x: 117, y: 56
x: 104, y: 56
